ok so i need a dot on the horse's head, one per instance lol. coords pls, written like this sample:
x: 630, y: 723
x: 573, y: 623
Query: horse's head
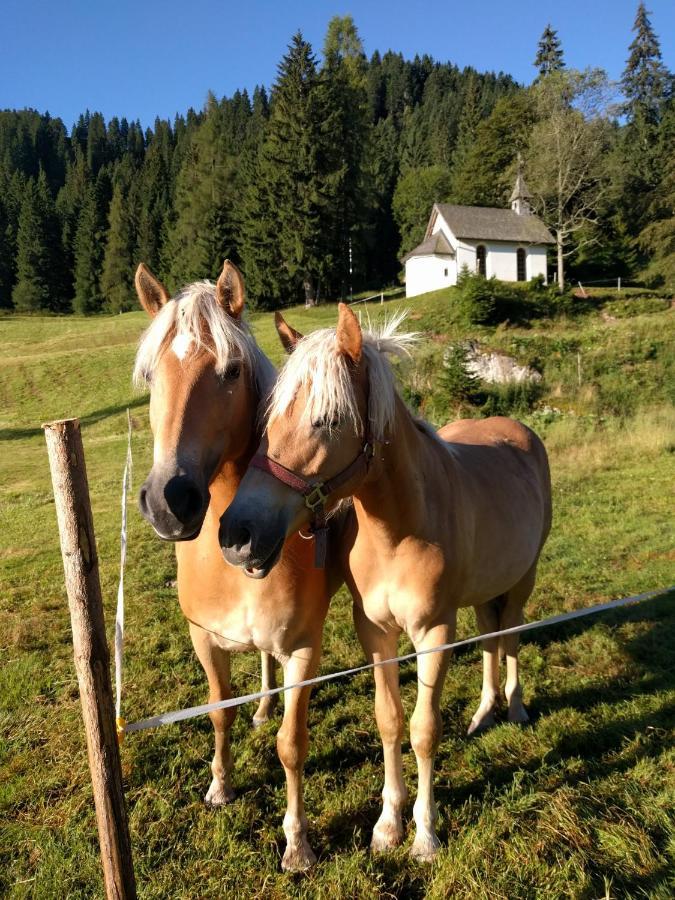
x: 198, y: 359
x: 317, y: 424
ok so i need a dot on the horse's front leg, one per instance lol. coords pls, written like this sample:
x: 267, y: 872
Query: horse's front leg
x: 292, y: 742
x: 216, y: 663
x: 269, y: 680
x: 379, y: 645
x: 425, y: 736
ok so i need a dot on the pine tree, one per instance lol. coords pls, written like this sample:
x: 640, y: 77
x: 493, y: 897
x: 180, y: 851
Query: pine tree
x: 416, y: 192
x: 657, y: 238
x: 39, y: 277
x: 468, y: 123
x: 645, y: 77
x: 6, y: 274
x: 118, y: 263
x: 645, y: 85
x: 549, y: 56
x: 344, y: 79
x: 484, y: 177
x: 202, y: 234
x: 90, y: 245
x: 284, y: 248
x: 155, y: 200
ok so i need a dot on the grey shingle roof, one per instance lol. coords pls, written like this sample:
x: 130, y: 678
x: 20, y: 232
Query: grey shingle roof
x: 485, y: 223
x: 435, y: 243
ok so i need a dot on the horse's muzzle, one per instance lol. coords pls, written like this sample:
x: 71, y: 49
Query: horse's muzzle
x: 174, y: 506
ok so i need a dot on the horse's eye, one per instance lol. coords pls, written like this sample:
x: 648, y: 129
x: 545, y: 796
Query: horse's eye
x: 325, y: 423
x: 232, y: 372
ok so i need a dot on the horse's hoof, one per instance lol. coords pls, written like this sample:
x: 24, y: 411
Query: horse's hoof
x: 298, y: 859
x: 425, y: 848
x: 386, y: 836
x: 518, y: 714
x: 481, y: 723
x: 218, y: 795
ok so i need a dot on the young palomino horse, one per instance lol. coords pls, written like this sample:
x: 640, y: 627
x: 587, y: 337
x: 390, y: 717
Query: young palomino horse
x: 445, y: 520
x: 208, y: 379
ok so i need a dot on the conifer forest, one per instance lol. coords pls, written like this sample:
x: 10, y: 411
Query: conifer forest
x: 340, y: 159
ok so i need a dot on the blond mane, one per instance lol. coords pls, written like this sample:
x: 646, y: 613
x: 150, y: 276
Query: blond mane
x: 194, y: 321
x: 317, y: 365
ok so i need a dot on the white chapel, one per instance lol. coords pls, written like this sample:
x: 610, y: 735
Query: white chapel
x: 510, y: 244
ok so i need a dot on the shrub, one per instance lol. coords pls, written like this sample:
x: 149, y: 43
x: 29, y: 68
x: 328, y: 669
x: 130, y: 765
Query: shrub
x: 459, y: 385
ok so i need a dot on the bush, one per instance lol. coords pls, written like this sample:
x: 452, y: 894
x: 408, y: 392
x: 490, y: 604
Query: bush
x: 487, y: 301
x: 459, y: 385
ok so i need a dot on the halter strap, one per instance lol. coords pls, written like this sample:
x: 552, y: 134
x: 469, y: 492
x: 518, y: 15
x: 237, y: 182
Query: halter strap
x: 316, y: 493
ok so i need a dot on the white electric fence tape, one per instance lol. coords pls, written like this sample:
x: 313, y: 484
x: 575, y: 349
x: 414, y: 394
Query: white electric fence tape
x: 119, y: 616
x: 181, y: 714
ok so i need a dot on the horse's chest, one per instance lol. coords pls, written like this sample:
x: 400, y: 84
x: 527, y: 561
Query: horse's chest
x: 396, y: 590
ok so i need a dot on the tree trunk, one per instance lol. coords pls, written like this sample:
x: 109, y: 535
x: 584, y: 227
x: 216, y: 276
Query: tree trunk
x: 310, y: 297
x: 561, y: 262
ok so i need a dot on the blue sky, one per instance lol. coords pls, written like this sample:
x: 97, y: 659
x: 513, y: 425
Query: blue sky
x: 146, y: 58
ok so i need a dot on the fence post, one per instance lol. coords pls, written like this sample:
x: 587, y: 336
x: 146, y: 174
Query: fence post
x: 90, y: 649
x: 618, y: 284
x: 381, y: 297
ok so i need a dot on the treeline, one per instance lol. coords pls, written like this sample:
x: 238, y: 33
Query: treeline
x: 315, y: 189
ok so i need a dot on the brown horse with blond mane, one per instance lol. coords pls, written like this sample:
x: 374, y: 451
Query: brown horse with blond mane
x: 208, y: 380
x: 445, y: 520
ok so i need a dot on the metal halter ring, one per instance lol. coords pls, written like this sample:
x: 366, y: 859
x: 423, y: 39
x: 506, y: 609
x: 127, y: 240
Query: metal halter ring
x: 315, y: 497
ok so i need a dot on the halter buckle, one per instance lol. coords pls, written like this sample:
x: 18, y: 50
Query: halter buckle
x: 315, y: 497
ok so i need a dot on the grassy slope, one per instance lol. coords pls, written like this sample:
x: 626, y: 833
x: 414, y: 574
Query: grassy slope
x: 578, y: 805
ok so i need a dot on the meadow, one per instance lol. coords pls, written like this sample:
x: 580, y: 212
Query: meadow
x: 578, y: 804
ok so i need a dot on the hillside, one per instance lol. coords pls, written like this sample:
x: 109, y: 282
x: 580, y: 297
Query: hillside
x: 576, y: 805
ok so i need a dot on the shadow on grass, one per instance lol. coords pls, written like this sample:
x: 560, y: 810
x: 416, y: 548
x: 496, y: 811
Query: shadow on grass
x: 17, y: 434
x: 616, y: 744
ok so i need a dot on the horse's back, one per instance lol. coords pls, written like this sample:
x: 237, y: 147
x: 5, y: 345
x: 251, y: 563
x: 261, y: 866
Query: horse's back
x: 500, y: 450
x: 493, y: 431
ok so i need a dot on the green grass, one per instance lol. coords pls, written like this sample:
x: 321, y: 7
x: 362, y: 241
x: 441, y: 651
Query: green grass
x: 580, y: 804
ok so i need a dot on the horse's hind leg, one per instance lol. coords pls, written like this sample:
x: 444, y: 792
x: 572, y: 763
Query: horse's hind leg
x: 511, y: 615
x: 487, y: 617
x: 216, y: 663
x: 268, y: 681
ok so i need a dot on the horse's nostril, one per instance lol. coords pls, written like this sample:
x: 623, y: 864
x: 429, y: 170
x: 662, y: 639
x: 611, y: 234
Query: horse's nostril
x: 183, y: 498
x: 143, y: 500
x: 243, y: 538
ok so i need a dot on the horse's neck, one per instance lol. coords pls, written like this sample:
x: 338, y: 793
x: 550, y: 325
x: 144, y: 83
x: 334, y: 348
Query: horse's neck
x: 391, y: 501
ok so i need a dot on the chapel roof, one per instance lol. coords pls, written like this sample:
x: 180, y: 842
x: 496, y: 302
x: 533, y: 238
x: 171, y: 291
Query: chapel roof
x: 435, y: 244
x: 487, y: 223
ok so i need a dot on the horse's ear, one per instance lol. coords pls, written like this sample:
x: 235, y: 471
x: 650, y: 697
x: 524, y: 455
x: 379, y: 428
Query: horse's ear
x: 152, y: 293
x: 287, y: 334
x: 230, y: 290
x: 349, y: 337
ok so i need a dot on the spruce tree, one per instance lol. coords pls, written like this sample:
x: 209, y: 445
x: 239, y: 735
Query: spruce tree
x: 549, y: 56
x: 468, y: 123
x: 118, y: 263
x: 6, y: 273
x: 645, y: 77
x: 39, y: 276
x: 285, y: 253
x: 202, y: 234
x: 89, y: 247
x: 645, y: 85
x: 344, y: 78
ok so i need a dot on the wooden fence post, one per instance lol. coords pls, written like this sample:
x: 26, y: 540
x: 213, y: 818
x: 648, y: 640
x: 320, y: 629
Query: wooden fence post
x: 90, y: 648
